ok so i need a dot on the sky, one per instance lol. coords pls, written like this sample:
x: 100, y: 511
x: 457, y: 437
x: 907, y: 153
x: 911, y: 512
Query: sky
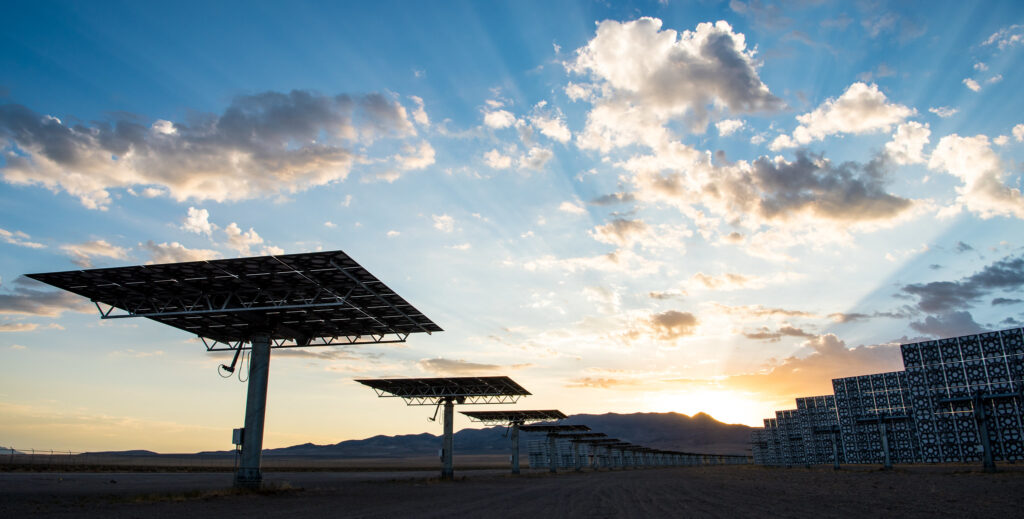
x: 626, y: 207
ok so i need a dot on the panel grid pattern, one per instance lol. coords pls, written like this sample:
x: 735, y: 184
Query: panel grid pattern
x: 818, y: 414
x: 960, y: 368
x: 884, y: 396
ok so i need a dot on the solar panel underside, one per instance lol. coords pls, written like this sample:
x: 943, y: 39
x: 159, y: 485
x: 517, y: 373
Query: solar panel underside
x: 959, y: 367
x: 296, y: 297
x: 504, y: 417
x: 465, y: 390
x: 882, y: 395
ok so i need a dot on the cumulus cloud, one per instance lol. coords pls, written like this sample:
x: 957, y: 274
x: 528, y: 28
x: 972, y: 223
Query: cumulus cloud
x: 1006, y: 37
x: 767, y: 334
x: 82, y: 254
x: 175, y: 252
x: 498, y: 119
x: 972, y: 84
x: 1018, y: 132
x: 262, y: 144
x: 725, y: 281
x: 415, y: 157
x: 943, y: 111
x: 907, y: 144
x: 20, y: 239
x: 535, y: 158
x: 621, y: 232
x: 30, y: 297
x: 667, y: 326
x: 952, y: 324
x: 972, y: 160
x: 728, y: 127
x: 198, y: 221
x: 551, y: 123
x: 443, y: 222
x: 861, y: 109
x: 459, y: 367
x: 572, y: 207
x: 239, y: 241
x: 1006, y: 274
x: 647, y: 76
x: 419, y: 114
x: 496, y: 160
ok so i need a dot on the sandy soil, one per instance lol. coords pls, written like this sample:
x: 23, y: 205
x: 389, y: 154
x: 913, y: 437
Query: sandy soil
x: 736, y: 491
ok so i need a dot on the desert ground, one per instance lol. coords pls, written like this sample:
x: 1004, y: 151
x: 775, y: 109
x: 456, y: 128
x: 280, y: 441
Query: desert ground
x: 717, y: 491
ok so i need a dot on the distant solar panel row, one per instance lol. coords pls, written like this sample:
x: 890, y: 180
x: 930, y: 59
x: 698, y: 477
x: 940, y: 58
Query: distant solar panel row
x: 932, y: 412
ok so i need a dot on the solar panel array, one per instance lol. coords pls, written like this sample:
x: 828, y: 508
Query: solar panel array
x: 928, y: 411
x: 818, y: 417
x: 464, y: 390
x: 958, y: 369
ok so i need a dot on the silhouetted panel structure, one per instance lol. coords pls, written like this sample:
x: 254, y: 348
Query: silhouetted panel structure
x: 448, y: 392
x: 791, y: 437
x: 309, y: 299
x: 257, y: 304
x: 820, y: 422
x: 773, y: 452
x: 759, y: 445
x: 963, y: 386
x: 514, y: 419
x: 550, y: 453
x: 875, y: 415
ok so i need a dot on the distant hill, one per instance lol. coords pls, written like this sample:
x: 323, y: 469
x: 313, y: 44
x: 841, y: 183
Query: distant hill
x: 672, y: 431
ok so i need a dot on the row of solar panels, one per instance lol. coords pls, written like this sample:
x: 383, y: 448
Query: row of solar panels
x: 951, y: 392
x: 568, y: 454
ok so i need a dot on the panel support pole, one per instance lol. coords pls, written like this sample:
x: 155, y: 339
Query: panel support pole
x: 988, y: 463
x: 884, y: 434
x: 576, y: 456
x: 515, y: 447
x: 447, y: 470
x: 835, y: 450
x: 552, y: 455
x: 249, y: 474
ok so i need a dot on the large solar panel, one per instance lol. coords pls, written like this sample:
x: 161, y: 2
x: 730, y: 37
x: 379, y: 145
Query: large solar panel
x: 791, y: 439
x: 945, y: 375
x: 861, y: 402
x: 818, y: 417
x: 514, y: 416
x: 463, y: 390
x: 773, y: 448
x: 310, y: 299
x: 758, y: 445
x: 552, y: 429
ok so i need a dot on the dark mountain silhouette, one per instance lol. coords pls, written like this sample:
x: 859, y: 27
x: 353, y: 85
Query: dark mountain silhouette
x: 699, y: 433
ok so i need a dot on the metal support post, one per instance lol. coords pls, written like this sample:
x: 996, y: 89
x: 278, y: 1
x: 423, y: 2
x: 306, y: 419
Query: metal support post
x: 447, y: 470
x: 552, y: 455
x: 988, y: 464
x: 249, y: 474
x: 515, y: 447
x: 835, y: 450
x: 576, y: 456
x: 884, y: 434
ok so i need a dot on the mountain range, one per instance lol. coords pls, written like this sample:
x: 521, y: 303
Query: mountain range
x: 699, y: 433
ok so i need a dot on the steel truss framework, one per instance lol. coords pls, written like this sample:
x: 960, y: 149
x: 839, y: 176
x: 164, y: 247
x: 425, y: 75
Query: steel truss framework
x: 513, y: 417
x: 461, y: 390
x: 310, y: 299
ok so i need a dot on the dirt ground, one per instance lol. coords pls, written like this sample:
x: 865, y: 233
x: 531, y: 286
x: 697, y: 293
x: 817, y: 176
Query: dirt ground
x: 723, y: 491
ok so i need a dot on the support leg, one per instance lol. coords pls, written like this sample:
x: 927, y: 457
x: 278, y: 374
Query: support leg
x: 552, y: 455
x: 988, y: 463
x: 884, y: 434
x: 515, y: 448
x: 447, y: 468
x: 249, y: 474
x: 576, y: 456
x: 835, y: 451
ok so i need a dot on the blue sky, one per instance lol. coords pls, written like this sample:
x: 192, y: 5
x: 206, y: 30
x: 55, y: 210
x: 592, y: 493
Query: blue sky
x: 678, y: 206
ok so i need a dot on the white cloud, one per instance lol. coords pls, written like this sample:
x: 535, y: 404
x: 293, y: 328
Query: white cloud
x: 1006, y: 37
x: 943, y: 111
x: 578, y: 92
x: 647, y: 76
x: 972, y: 84
x: 728, y: 127
x: 1001, y: 140
x: 536, y: 158
x: 443, y: 222
x: 572, y: 207
x: 1018, y: 132
x: 393, y: 233
x: 198, y: 221
x: 83, y: 253
x: 241, y: 242
x: 496, y: 160
x: 498, y: 119
x: 20, y: 239
x: 552, y: 126
x: 972, y: 160
x: 175, y: 252
x: 861, y: 109
x: 261, y: 145
x: 994, y: 79
x: 907, y: 144
x: 416, y: 157
x: 462, y: 246
x: 419, y: 114
x: 330, y: 225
